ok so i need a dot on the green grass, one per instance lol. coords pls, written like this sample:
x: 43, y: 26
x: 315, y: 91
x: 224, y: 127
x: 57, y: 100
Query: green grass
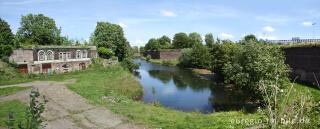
x: 164, y: 62
x: 120, y: 84
x: 114, y: 81
x: 304, y: 88
x: 11, y: 90
x: 15, y: 106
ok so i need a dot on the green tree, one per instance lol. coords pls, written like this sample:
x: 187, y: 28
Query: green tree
x: 6, y: 39
x: 197, y: 57
x: 209, y: 40
x: 250, y: 37
x: 153, y: 45
x: 142, y: 50
x: 195, y: 39
x: 111, y: 36
x: 38, y: 29
x: 105, y: 52
x: 165, y: 42
x: 135, y: 49
x: 181, y: 40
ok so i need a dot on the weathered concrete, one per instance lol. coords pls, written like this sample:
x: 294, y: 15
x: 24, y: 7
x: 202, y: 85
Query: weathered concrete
x: 164, y: 54
x: 68, y: 110
x: 305, y: 63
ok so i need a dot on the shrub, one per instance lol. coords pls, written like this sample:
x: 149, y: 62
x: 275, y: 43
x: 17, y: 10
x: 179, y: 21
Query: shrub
x: 251, y: 62
x: 197, y: 57
x: 129, y: 64
x: 105, y: 52
x: 33, y: 113
x: 288, y: 108
x: 148, y: 57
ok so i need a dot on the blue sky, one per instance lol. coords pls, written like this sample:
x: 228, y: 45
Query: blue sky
x: 145, y: 19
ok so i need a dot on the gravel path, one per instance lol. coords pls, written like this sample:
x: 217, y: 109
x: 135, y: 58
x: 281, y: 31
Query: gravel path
x: 68, y: 110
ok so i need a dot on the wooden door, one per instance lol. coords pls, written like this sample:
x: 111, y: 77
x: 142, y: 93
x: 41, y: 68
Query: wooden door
x: 46, y: 68
x: 83, y: 66
x: 23, y: 68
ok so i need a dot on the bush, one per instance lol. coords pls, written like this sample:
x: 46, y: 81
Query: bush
x: 33, y: 119
x: 246, y: 63
x: 129, y: 64
x: 197, y: 57
x: 105, y: 52
x: 148, y: 57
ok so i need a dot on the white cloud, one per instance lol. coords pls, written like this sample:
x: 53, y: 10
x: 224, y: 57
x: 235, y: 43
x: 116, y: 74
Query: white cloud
x: 168, y: 13
x: 307, y: 23
x: 268, y: 28
x: 226, y: 36
x: 122, y: 25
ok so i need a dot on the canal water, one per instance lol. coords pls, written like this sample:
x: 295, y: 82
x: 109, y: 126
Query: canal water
x: 181, y: 89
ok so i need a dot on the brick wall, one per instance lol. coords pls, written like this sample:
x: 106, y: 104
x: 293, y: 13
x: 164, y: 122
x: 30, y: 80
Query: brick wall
x: 305, y: 63
x: 164, y: 54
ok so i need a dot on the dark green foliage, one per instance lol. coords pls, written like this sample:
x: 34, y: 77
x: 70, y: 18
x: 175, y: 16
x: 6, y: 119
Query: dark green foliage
x: 222, y: 53
x: 111, y: 36
x: 247, y: 63
x: 153, y: 45
x: 135, y: 49
x: 195, y: 39
x: 148, y: 57
x: 181, y: 40
x: 6, y: 39
x: 33, y: 113
x: 197, y: 57
x: 129, y: 64
x: 209, y: 40
x: 142, y: 50
x: 165, y: 42
x: 250, y: 37
x: 105, y: 52
x: 38, y: 29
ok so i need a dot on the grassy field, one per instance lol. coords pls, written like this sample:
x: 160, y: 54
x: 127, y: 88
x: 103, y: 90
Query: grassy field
x: 116, y: 83
x: 98, y: 83
x: 11, y: 90
x: 14, y: 106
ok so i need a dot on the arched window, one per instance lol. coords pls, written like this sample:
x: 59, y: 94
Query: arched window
x: 60, y: 56
x: 41, y: 55
x: 84, y: 54
x: 78, y: 54
x: 50, y: 55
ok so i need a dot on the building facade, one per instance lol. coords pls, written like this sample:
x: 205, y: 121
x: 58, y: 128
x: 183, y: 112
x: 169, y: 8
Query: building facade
x: 51, y: 59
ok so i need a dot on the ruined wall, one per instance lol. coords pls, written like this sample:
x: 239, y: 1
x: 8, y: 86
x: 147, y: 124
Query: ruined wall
x: 170, y: 55
x: 21, y: 56
x: 305, y: 63
x: 164, y: 54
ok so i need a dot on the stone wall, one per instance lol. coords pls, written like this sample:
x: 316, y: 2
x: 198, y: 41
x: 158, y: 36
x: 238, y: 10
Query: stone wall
x: 164, y: 54
x: 305, y: 63
x: 21, y: 56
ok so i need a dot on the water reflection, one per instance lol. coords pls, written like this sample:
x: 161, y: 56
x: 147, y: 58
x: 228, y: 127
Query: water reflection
x: 181, y: 89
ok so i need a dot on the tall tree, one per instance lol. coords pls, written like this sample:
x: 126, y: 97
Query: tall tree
x: 165, y: 42
x: 38, y: 29
x: 111, y: 36
x: 152, y: 45
x: 209, y: 40
x: 195, y: 39
x: 181, y: 40
x: 250, y: 37
x: 6, y: 39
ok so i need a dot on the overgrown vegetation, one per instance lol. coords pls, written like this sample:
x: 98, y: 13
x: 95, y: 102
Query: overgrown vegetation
x: 32, y: 119
x: 15, y: 106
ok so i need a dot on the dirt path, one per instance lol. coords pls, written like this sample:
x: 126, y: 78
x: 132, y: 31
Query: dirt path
x: 68, y: 110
